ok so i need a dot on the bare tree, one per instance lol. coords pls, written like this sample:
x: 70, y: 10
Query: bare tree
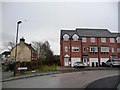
x: 38, y: 47
x: 43, y: 50
x: 9, y: 45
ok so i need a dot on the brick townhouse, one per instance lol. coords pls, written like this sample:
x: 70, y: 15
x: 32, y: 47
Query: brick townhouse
x: 91, y: 46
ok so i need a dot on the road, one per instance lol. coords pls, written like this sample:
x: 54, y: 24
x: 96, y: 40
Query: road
x: 66, y: 80
x: 0, y: 77
x: 108, y: 82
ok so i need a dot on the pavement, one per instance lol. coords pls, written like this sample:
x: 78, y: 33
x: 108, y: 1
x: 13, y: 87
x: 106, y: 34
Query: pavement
x: 30, y: 75
x: 6, y: 76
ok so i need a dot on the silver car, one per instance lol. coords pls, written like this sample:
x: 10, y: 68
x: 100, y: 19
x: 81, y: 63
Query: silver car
x: 78, y: 64
x: 113, y: 62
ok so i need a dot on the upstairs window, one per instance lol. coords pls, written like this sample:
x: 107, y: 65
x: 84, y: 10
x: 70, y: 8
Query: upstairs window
x: 66, y: 37
x: 66, y: 49
x: 112, y: 49
x: 118, y: 39
x: 84, y: 49
x: 93, y: 49
x: 112, y: 40
x: 75, y: 49
x: 104, y: 49
x: 92, y: 39
x: 118, y: 50
x: 83, y: 39
x: 75, y: 37
x: 103, y: 40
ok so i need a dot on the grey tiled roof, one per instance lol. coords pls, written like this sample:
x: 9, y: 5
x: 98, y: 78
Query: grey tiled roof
x: 116, y: 34
x: 86, y: 32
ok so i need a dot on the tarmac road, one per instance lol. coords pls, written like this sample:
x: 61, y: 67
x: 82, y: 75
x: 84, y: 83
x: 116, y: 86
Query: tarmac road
x: 110, y: 83
x: 66, y: 80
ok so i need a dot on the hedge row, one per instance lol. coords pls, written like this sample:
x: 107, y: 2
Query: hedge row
x: 35, y: 64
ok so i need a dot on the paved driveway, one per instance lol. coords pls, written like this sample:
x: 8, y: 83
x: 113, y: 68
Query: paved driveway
x: 66, y: 80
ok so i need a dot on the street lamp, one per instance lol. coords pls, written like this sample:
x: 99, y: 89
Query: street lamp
x: 16, y: 46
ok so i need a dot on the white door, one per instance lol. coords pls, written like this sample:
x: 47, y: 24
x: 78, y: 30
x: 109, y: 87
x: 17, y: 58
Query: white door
x: 66, y: 61
x: 93, y: 61
x: 85, y: 61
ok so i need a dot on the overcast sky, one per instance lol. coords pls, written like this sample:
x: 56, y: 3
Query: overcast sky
x: 43, y: 20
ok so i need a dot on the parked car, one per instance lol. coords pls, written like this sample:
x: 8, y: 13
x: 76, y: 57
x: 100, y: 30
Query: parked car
x: 113, y: 62
x: 78, y: 64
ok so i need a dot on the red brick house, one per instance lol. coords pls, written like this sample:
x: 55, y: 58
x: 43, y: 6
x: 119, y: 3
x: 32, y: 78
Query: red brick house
x: 91, y: 46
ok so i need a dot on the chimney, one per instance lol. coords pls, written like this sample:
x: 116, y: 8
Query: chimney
x: 22, y: 40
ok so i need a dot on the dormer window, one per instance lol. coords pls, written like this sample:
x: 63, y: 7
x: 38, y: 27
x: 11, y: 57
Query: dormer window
x: 75, y: 37
x: 66, y: 37
x: 118, y: 39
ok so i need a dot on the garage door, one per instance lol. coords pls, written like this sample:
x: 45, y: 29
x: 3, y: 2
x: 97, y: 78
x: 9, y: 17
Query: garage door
x: 93, y: 61
x: 103, y: 60
x: 73, y: 60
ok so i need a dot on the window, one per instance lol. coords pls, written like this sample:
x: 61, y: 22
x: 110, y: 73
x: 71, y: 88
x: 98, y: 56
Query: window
x: 84, y: 39
x: 112, y: 50
x: 66, y: 49
x: 84, y: 49
x: 92, y: 39
x: 66, y: 37
x: 118, y: 39
x: 112, y: 40
x: 104, y: 49
x: 75, y: 49
x: 103, y: 40
x: 75, y: 37
x: 118, y: 50
x: 93, y: 49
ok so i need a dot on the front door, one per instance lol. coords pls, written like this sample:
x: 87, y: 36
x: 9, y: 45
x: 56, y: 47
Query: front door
x: 66, y: 61
x: 85, y: 61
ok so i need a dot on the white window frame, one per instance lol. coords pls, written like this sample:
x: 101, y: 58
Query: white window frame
x: 84, y: 39
x: 118, y: 50
x: 66, y: 37
x: 103, y: 40
x: 66, y: 48
x: 105, y: 49
x: 118, y: 39
x: 75, y: 48
x: 112, y: 40
x: 92, y: 39
x: 75, y: 37
x: 113, y: 50
x: 93, y: 48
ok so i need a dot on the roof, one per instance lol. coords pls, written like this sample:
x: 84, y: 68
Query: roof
x: 30, y: 47
x: 6, y: 53
x: 87, y: 32
x: 116, y: 34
